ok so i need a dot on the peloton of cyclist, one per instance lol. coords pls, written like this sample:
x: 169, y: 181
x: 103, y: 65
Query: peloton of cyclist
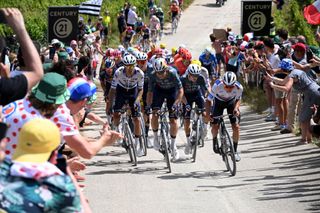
x: 164, y: 84
x: 193, y: 84
x: 226, y: 94
x: 127, y: 87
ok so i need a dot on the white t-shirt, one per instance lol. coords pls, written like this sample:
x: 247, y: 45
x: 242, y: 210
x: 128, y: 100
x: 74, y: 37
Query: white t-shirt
x: 19, y: 112
x: 132, y: 17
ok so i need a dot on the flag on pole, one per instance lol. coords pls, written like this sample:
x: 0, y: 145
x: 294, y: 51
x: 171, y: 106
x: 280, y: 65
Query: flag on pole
x: 312, y: 13
x: 91, y: 7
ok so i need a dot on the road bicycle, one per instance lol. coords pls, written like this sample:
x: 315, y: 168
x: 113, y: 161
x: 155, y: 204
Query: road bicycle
x: 220, y: 2
x: 128, y: 140
x: 226, y: 147
x: 197, y: 134
x: 174, y: 25
x: 143, y: 139
x: 164, y: 134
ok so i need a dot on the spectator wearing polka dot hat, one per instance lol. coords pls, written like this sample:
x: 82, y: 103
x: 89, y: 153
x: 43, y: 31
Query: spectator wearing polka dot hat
x: 50, y: 99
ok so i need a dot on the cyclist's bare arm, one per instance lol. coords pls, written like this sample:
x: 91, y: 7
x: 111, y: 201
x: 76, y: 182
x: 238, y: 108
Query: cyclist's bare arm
x: 111, y: 95
x: 179, y: 96
x: 139, y: 96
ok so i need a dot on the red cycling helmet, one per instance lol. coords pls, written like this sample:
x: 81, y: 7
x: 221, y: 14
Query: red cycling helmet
x: 158, y: 51
x: 109, y: 52
x: 129, y: 28
x: 116, y: 53
x: 187, y: 56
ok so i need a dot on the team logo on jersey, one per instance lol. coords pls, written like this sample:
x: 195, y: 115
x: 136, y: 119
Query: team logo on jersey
x: 9, y: 109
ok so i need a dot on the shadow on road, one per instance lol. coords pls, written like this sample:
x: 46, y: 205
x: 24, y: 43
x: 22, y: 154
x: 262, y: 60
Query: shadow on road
x: 294, y: 172
x: 208, y: 5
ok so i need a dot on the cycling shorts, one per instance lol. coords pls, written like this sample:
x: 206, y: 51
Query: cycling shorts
x: 218, y: 108
x: 197, y: 98
x: 124, y: 96
x: 220, y: 58
x: 158, y: 98
x: 173, y: 15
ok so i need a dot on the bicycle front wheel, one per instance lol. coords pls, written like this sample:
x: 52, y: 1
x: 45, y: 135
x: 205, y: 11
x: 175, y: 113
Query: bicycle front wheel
x: 229, y: 158
x: 131, y: 146
x: 143, y: 138
x: 195, y: 140
x: 165, y: 147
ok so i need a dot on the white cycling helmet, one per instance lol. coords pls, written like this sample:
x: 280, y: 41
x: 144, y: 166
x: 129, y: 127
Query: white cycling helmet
x: 129, y: 59
x: 159, y: 64
x: 194, y: 69
x: 141, y: 56
x: 229, y: 78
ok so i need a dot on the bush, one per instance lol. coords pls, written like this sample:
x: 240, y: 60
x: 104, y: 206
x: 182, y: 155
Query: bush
x: 291, y: 18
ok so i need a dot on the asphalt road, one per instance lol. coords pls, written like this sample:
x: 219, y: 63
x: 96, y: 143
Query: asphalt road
x: 274, y: 175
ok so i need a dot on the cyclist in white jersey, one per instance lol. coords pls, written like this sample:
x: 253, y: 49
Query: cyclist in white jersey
x: 127, y: 87
x: 226, y: 94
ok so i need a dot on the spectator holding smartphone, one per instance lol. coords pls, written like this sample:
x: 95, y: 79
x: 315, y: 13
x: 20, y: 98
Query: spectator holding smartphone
x: 15, y: 88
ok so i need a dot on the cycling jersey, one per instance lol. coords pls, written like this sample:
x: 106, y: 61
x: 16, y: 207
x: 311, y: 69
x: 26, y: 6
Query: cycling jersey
x: 154, y: 24
x: 120, y: 78
x: 172, y: 81
x: 129, y: 35
x: 192, y: 87
x: 219, y: 92
x: 174, y: 8
x: 209, y: 63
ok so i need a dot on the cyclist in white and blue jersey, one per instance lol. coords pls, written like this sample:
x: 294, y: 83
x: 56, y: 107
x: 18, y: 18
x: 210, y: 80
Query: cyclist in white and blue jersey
x: 226, y: 94
x: 127, y: 87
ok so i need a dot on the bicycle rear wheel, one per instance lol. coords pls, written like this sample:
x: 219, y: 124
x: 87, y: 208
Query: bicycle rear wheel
x: 165, y: 148
x: 143, y: 138
x: 131, y: 146
x: 228, y: 152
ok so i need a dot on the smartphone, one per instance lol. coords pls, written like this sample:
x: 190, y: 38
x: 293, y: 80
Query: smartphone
x: 3, y: 130
x: 2, y: 18
x: 62, y: 163
x: 4, y: 54
x: 52, y: 51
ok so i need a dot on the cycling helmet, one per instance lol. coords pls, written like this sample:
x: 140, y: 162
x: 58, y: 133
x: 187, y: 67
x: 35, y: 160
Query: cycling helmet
x: 229, y: 78
x: 187, y: 56
x: 194, y: 69
x: 109, y: 52
x: 130, y: 50
x: 158, y: 51
x: 129, y: 59
x: 159, y: 64
x: 169, y: 59
x: 109, y: 63
x: 141, y: 56
x: 207, y: 50
x: 286, y: 64
x: 116, y: 53
x: 129, y: 28
x: 196, y: 61
x: 163, y: 45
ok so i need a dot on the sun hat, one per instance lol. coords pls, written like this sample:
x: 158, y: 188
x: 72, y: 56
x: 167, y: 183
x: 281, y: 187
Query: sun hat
x: 286, y: 64
x: 79, y: 89
x: 35, y: 144
x: 54, y: 41
x: 63, y: 55
x: 52, y: 89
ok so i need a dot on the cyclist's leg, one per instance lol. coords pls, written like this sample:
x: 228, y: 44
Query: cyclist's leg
x: 187, y: 129
x: 234, y: 123
x: 217, y: 110
x: 156, y: 106
x: 120, y: 100
x: 171, y: 97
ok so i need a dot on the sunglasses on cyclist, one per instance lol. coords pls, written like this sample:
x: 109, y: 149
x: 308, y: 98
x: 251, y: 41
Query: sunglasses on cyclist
x: 228, y: 87
x: 130, y: 66
x: 193, y: 76
x: 160, y: 73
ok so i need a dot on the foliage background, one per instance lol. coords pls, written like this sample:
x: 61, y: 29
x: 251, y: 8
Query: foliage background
x: 36, y: 14
x: 291, y: 18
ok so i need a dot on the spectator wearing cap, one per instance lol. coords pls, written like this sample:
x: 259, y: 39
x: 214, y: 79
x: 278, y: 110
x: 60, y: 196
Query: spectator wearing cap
x: 15, y: 88
x: 53, y: 100
x: 281, y: 97
x: 31, y: 182
x: 300, y: 81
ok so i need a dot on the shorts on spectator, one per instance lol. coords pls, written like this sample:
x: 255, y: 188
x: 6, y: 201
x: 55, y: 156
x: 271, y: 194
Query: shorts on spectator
x: 279, y: 94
